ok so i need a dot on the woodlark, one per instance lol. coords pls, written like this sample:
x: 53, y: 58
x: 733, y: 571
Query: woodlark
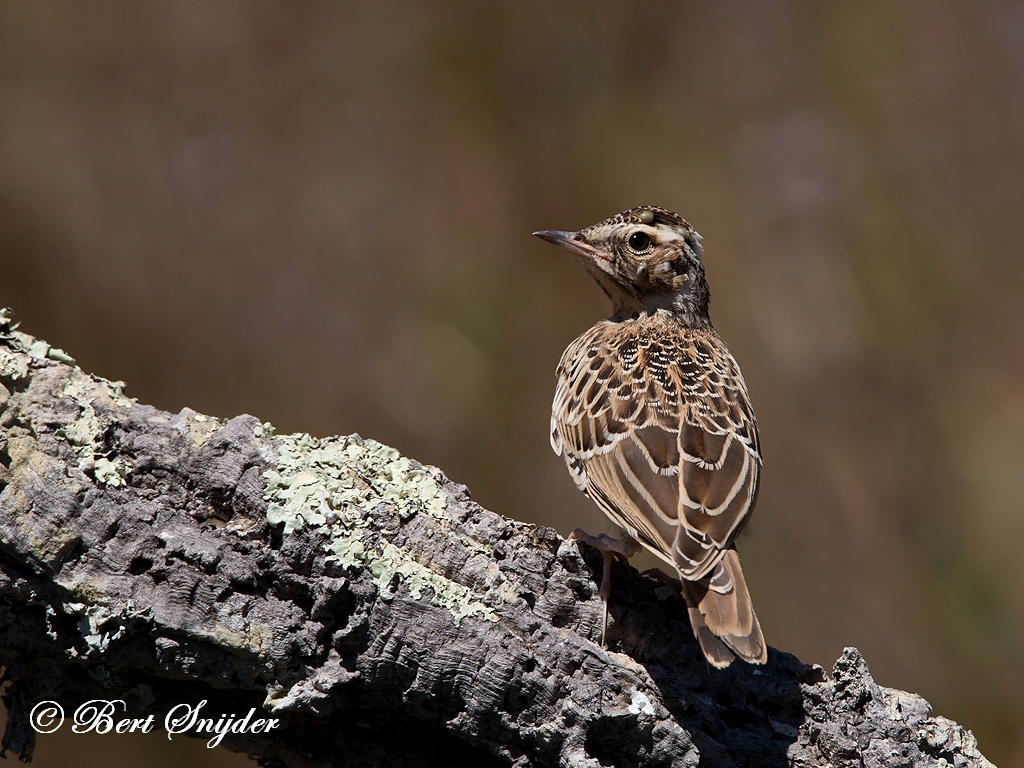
x: 653, y: 419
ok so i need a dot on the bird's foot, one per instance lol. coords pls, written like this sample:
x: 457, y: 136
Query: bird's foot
x: 669, y: 581
x: 605, y: 544
x: 609, y: 548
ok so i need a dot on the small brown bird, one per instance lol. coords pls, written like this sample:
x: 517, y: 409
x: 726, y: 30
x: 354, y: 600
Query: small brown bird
x: 654, y: 422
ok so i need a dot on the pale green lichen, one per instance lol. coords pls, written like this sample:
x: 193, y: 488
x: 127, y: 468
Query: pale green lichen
x: 200, y: 427
x: 86, y: 429
x: 454, y: 596
x: 547, y: 733
x: 85, y: 432
x: 109, y: 472
x: 55, y: 353
x: 333, y: 482
x: 39, y: 349
x: 13, y: 365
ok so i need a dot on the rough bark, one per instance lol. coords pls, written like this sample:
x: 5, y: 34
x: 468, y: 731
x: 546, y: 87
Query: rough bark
x: 369, y: 603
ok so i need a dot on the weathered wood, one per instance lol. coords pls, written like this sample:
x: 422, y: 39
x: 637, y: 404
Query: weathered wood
x: 368, y: 603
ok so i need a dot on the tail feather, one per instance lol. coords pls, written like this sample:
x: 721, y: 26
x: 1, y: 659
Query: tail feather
x: 724, y: 621
x: 717, y: 652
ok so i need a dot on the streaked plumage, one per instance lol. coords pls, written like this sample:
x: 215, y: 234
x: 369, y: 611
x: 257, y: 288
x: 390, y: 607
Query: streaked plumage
x: 653, y: 419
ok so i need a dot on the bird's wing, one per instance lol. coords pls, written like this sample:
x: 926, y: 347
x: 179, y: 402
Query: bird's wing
x: 659, y: 431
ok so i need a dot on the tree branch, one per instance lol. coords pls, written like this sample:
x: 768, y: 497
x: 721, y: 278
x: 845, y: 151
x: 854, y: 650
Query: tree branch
x: 368, y: 604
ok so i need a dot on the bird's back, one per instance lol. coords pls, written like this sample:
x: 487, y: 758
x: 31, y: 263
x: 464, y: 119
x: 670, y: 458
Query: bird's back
x: 648, y: 411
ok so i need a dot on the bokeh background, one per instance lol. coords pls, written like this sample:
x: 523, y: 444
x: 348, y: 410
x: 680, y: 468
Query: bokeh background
x: 319, y: 213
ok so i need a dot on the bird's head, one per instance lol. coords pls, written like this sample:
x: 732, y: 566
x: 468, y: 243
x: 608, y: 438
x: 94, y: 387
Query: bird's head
x: 646, y: 259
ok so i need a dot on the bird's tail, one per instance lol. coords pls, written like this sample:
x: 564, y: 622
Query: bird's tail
x: 723, y: 617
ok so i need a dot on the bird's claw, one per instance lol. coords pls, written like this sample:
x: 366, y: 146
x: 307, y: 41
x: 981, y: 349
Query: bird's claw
x: 603, y: 543
x: 669, y: 581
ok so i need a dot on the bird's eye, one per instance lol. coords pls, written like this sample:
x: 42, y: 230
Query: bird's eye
x: 639, y: 242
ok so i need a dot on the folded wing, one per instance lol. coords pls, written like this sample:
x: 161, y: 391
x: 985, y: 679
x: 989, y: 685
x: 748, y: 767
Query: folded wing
x: 659, y: 431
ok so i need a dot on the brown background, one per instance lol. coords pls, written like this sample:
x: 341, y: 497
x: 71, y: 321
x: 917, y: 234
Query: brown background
x: 319, y: 213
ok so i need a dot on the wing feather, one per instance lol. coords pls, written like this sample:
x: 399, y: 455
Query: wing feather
x: 656, y: 426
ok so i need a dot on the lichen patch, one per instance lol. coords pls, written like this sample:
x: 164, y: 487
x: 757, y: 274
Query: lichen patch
x: 333, y: 483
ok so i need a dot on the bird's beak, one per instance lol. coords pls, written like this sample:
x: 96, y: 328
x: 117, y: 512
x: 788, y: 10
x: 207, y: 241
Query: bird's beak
x: 568, y: 241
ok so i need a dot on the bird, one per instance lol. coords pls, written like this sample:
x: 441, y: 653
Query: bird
x: 653, y: 419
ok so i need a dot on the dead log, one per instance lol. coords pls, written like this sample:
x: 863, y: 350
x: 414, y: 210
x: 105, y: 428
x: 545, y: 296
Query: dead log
x: 366, y: 604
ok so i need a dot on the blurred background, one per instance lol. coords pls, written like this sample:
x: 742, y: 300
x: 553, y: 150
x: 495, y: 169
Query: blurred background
x: 319, y: 213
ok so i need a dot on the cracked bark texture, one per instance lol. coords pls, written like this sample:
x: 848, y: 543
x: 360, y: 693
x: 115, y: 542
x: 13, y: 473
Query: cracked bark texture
x: 368, y: 602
